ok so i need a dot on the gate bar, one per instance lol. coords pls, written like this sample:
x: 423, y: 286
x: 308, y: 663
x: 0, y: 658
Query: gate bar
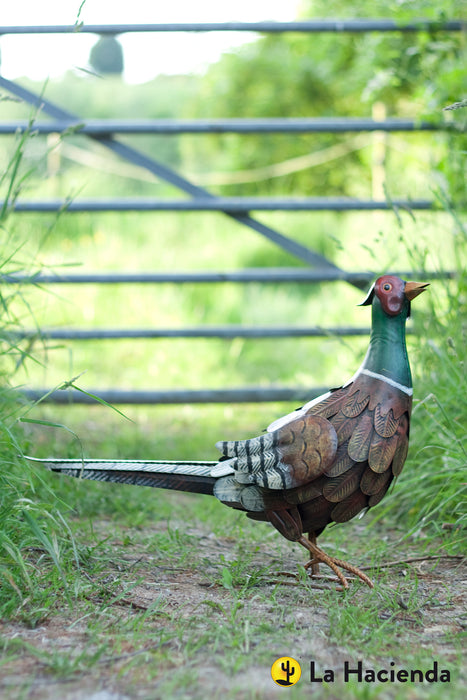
x: 227, y: 205
x: 190, y: 396
x: 313, y: 25
x: 197, y: 332
x: 251, y: 275
x: 99, y: 127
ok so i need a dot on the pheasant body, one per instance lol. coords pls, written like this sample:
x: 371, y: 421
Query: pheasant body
x: 363, y: 430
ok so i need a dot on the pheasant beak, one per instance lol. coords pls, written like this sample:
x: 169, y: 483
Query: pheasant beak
x: 413, y: 289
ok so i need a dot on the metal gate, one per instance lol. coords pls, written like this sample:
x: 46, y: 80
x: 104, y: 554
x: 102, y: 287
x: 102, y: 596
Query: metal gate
x: 319, y: 268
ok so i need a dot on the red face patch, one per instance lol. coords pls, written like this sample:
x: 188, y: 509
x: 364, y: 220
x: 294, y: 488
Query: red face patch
x: 390, y: 292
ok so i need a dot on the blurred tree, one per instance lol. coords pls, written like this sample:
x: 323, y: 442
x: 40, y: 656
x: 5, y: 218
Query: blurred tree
x: 414, y: 74
x: 107, y: 56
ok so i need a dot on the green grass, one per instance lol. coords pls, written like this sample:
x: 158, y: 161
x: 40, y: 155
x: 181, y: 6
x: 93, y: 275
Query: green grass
x: 35, y: 541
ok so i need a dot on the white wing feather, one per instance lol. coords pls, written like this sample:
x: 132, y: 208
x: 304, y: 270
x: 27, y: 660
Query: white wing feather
x: 289, y: 417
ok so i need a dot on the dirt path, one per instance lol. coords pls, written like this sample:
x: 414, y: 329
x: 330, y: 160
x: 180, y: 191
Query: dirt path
x: 158, y: 630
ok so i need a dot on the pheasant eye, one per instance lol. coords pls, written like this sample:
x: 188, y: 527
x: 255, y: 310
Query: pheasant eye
x: 387, y: 287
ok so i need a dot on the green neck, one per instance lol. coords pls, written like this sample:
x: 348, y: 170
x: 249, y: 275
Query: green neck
x: 387, y: 353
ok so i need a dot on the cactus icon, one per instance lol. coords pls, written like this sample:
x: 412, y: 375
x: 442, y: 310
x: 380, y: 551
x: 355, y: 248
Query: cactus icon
x: 286, y: 671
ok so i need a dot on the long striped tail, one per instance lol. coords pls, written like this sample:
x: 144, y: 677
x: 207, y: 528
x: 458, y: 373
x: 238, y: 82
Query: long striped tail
x: 193, y: 477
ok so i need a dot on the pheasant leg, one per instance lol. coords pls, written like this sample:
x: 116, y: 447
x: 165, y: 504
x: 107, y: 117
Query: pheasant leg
x: 314, y: 563
x: 335, y: 564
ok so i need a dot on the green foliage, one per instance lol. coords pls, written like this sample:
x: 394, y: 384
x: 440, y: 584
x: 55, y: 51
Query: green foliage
x: 404, y: 69
x: 35, y: 541
x: 411, y: 74
x: 37, y: 551
x: 280, y: 76
x: 90, y: 96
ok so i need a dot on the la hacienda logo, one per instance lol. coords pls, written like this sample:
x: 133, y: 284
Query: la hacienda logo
x: 287, y: 671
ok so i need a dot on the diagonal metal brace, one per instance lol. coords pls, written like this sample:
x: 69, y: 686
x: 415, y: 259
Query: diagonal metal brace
x: 162, y: 171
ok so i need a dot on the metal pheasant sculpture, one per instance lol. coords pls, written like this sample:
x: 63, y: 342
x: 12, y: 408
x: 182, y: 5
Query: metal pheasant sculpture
x: 325, y: 462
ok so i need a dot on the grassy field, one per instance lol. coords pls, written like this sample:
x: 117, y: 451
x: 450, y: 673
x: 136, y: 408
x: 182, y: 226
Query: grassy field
x: 151, y: 594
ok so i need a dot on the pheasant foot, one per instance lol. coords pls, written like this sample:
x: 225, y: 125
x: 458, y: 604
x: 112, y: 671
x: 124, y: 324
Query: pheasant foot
x: 319, y: 556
